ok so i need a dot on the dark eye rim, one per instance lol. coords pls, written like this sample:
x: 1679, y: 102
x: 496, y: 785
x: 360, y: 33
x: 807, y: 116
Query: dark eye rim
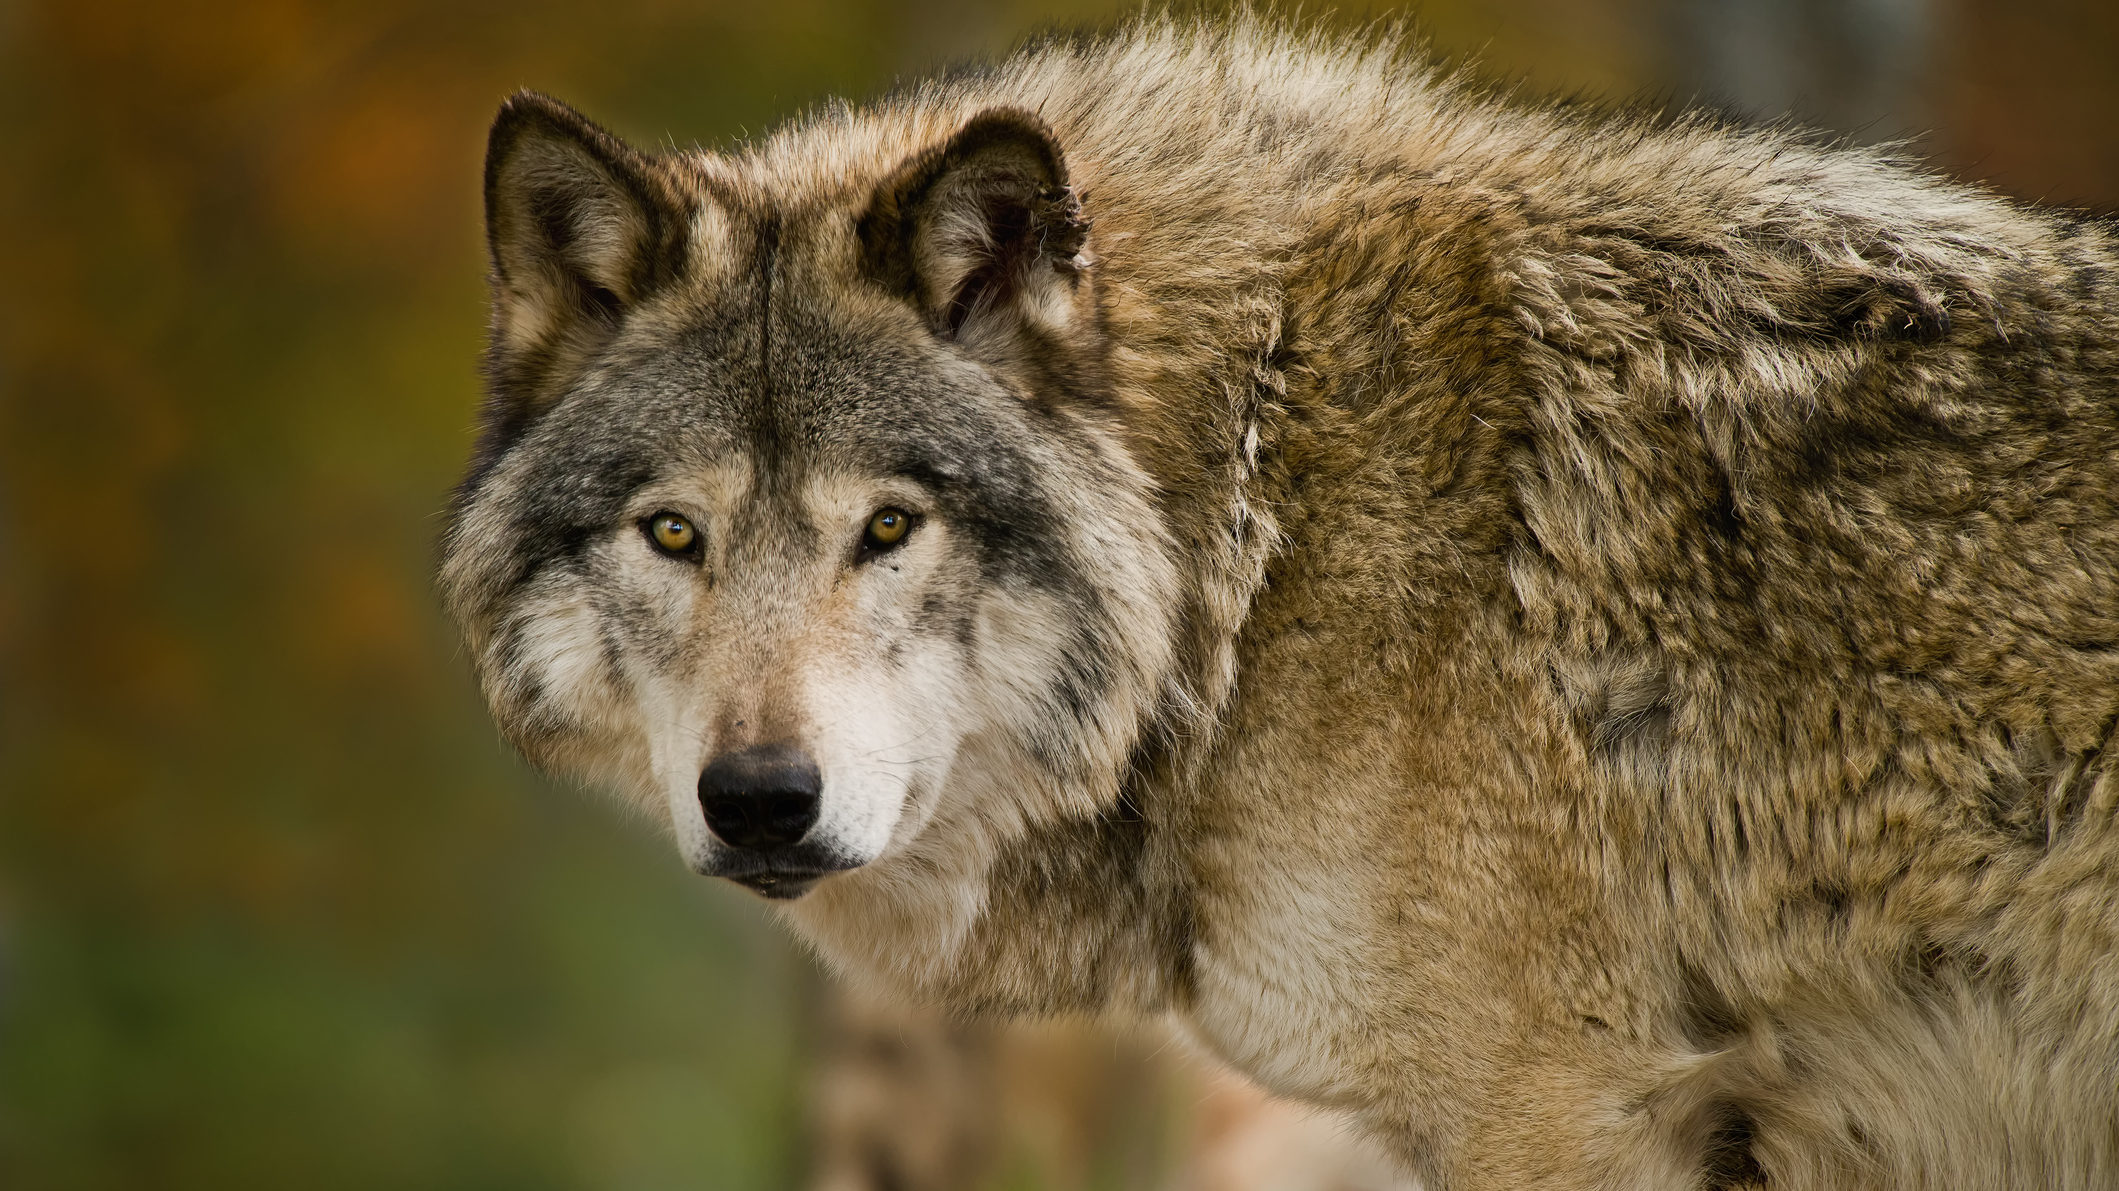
x: 869, y: 548
x: 691, y: 553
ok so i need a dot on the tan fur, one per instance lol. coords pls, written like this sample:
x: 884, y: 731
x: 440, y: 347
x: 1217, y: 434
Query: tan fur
x: 1637, y: 701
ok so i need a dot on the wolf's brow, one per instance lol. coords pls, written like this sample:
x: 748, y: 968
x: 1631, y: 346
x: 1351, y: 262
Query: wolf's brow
x: 768, y: 255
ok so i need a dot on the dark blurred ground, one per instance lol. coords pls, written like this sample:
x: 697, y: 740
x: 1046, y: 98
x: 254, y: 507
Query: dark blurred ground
x: 276, y: 907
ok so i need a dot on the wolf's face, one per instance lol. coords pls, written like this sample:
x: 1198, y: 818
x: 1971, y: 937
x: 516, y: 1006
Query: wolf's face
x: 788, y: 502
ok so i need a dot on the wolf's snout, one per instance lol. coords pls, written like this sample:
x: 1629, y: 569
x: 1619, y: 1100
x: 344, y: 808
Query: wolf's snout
x: 764, y: 797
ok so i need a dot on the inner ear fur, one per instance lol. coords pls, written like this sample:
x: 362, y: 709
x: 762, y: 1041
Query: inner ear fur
x: 580, y: 226
x: 982, y: 233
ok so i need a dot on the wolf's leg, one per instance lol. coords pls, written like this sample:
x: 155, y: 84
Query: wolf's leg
x: 904, y: 1099
x: 900, y: 1099
x: 1243, y: 1140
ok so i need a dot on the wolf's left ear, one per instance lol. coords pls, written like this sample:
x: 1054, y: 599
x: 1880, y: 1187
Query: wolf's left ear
x: 581, y: 227
x: 983, y: 233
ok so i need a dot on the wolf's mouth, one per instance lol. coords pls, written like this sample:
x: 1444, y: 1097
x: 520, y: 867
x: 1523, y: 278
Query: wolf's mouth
x: 780, y: 886
x: 782, y: 874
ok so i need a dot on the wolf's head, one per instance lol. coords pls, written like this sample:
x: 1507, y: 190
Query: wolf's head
x: 801, y: 507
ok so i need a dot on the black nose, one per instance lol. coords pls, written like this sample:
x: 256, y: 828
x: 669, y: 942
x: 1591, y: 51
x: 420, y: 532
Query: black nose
x: 764, y: 797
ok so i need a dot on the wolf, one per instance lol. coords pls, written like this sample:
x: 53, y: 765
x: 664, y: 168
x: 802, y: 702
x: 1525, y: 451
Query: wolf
x: 1587, y: 640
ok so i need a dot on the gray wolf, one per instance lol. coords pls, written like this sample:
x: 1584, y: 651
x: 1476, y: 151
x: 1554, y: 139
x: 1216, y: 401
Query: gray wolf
x: 1588, y: 641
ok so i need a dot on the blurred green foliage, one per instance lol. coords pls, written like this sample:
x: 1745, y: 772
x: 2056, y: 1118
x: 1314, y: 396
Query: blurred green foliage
x: 276, y: 907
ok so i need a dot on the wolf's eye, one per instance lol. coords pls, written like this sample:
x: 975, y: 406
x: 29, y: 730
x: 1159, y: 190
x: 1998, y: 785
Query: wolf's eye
x: 671, y: 533
x: 885, y: 530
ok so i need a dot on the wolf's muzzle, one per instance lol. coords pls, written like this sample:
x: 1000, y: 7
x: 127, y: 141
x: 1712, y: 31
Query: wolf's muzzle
x: 763, y: 797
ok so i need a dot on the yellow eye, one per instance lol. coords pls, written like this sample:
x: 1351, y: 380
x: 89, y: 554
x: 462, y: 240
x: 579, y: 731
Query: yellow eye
x: 671, y: 533
x: 886, y: 529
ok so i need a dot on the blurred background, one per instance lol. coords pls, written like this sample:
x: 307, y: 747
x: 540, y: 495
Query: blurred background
x: 277, y: 907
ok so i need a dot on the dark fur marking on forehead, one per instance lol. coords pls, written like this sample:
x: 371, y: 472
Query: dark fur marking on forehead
x: 772, y: 414
x: 764, y: 259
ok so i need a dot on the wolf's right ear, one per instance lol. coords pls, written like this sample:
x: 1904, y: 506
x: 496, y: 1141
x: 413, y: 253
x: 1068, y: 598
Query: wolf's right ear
x: 984, y: 234
x: 581, y: 227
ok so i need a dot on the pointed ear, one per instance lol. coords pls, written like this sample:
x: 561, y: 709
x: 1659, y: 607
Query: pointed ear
x: 581, y: 228
x: 983, y: 234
